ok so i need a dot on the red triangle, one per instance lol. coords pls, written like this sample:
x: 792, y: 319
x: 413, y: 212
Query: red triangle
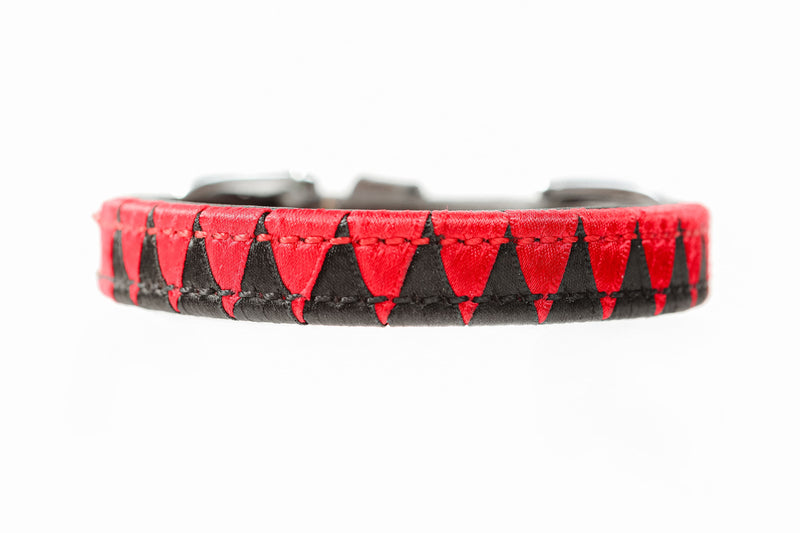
x: 298, y: 305
x: 467, y: 310
x: 543, y: 308
x: 658, y: 228
x: 133, y: 217
x: 608, y: 237
x: 384, y: 246
x: 608, y: 304
x: 694, y: 222
x: 173, y: 296
x: 383, y: 310
x: 544, y: 241
x: 107, y: 219
x: 299, y: 262
x: 229, y: 233
x: 174, y: 225
x: 468, y: 253
x: 661, y: 300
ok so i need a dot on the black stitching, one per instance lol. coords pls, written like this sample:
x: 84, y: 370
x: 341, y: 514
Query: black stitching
x: 678, y: 290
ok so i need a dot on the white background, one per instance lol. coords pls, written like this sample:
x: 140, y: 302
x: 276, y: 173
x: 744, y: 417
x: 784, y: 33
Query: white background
x: 119, y: 419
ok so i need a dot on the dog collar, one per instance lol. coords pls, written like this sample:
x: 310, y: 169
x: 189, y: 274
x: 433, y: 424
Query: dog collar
x: 235, y: 249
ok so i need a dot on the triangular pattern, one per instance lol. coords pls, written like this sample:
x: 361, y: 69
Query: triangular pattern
x: 469, y: 249
x: 133, y: 219
x: 679, y: 282
x: 658, y: 233
x: 154, y: 291
x: 200, y: 294
x: 636, y: 296
x: 340, y: 296
x: 544, y: 243
x: 506, y: 298
x: 264, y: 297
x: 384, y: 252
x: 108, y: 219
x: 122, y: 282
x: 702, y: 284
x: 228, y: 246
x: 174, y: 225
x: 300, y: 260
x: 577, y: 298
x: 404, y: 268
x: 694, y: 221
x: 426, y: 296
x: 608, y: 238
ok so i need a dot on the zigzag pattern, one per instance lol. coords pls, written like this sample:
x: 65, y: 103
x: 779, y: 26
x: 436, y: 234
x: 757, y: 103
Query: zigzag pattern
x: 337, y: 267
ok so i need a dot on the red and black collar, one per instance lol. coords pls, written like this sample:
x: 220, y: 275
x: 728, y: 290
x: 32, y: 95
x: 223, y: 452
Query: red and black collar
x: 353, y: 266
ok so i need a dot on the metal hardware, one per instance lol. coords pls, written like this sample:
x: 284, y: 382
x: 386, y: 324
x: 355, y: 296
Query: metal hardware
x: 286, y: 190
x: 270, y: 190
x: 594, y: 193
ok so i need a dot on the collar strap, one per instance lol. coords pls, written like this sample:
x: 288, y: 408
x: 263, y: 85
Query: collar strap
x: 412, y: 267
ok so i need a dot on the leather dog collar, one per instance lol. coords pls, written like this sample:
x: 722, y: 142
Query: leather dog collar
x: 578, y: 254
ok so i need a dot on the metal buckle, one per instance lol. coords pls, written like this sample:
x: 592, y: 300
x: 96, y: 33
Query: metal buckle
x: 292, y: 190
x: 270, y: 190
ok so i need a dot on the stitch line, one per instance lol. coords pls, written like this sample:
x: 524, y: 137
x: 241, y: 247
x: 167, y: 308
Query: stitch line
x: 396, y: 241
x: 148, y: 288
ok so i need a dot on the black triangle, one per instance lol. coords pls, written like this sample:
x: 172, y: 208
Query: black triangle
x: 264, y: 296
x: 200, y: 294
x: 636, y: 296
x: 340, y: 296
x: 122, y: 282
x: 577, y: 298
x: 506, y: 298
x: 426, y: 297
x: 679, y: 296
x: 153, y: 290
x: 702, y: 285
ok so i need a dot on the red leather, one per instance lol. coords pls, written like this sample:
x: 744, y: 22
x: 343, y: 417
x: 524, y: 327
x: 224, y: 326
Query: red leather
x: 545, y: 240
x: 173, y: 229
x: 468, y: 260
x: 300, y: 240
x: 384, y: 243
x: 609, y: 256
x: 383, y: 268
